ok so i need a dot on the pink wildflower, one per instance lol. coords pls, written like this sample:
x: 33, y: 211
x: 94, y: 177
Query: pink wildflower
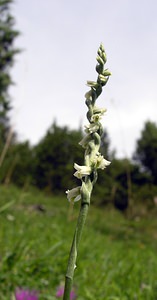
x: 21, y: 294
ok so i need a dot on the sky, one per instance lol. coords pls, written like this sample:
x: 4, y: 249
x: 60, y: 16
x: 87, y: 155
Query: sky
x: 59, y: 41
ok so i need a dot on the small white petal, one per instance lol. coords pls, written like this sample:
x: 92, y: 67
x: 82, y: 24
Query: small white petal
x: 97, y: 114
x: 98, y: 110
x: 91, y: 128
x: 77, y: 198
x: 81, y: 171
x: 74, y: 195
x: 84, y: 142
x: 102, y: 163
x: 96, y: 117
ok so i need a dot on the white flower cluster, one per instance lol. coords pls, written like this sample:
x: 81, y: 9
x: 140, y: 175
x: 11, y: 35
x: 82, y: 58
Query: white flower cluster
x: 96, y: 161
x: 91, y: 141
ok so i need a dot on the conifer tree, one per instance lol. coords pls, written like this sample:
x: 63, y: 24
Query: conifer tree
x: 7, y: 57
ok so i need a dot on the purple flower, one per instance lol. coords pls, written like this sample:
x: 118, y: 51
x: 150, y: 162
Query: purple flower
x: 60, y: 293
x: 21, y: 294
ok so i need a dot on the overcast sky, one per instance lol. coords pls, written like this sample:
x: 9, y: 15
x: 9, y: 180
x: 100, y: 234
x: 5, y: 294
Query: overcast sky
x: 60, y: 40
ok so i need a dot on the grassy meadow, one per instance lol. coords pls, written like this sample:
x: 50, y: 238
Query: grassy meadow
x: 117, y: 257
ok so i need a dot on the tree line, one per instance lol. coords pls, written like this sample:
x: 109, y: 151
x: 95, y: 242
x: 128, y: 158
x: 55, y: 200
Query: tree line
x: 49, y: 166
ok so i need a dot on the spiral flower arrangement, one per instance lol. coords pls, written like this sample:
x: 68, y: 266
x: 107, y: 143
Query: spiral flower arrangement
x: 93, y: 160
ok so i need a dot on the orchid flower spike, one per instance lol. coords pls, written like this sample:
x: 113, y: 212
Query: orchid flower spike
x: 93, y: 160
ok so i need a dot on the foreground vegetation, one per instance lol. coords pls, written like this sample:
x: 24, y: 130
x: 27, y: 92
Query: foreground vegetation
x: 117, y: 257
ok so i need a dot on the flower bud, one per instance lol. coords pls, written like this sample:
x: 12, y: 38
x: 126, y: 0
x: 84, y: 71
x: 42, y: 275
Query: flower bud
x: 102, y: 47
x: 106, y: 73
x: 100, y: 60
x: 99, y: 51
x: 104, y: 57
x: 102, y: 78
x: 92, y: 84
x: 88, y: 95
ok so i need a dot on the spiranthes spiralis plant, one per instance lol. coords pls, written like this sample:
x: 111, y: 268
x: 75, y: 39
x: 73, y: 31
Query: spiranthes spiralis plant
x: 93, y: 160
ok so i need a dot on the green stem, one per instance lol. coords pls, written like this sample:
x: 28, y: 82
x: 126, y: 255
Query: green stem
x: 74, y: 248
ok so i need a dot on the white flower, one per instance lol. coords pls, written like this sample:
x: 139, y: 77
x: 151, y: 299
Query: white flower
x: 81, y: 171
x: 92, y: 84
x: 97, y: 114
x: 74, y: 195
x: 85, y: 141
x: 91, y: 128
x: 88, y: 95
x: 95, y: 118
x: 102, y: 163
x: 99, y: 110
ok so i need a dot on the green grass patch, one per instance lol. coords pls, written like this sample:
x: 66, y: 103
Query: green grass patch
x: 117, y: 257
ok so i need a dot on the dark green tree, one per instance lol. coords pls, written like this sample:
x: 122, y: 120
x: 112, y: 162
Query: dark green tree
x: 54, y: 157
x: 105, y: 145
x: 7, y: 57
x: 18, y: 165
x: 146, y: 149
